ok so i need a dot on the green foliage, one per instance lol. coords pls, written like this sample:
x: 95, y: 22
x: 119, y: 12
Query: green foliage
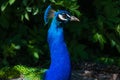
x: 17, y: 71
x: 108, y: 20
x: 19, y: 31
x: 23, y: 35
x: 98, y: 31
x: 99, y: 38
x: 23, y: 32
x: 71, y: 5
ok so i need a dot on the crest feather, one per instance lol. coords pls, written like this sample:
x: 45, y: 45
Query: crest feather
x: 49, y: 13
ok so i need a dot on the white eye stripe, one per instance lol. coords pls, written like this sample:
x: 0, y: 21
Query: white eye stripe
x: 68, y: 15
x: 61, y: 17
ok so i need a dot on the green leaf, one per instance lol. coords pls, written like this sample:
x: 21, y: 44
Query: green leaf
x: 29, y: 9
x: 15, y: 46
x: 11, y: 2
x: 118, y: 29
x: 35, y: 11
x: 59, y: 3
x: 26, y: 16
x: 4, y: 5
x: 74, y: 7
x: 99, y: 38
x: 44, y: 0
x: 77, y: 12
x: 52, y: 1
x: 36, y: 55
x: 113, y: 43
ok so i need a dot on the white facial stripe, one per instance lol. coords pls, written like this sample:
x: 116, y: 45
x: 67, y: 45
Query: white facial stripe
x: 61, y: 17
x: 68, y: 15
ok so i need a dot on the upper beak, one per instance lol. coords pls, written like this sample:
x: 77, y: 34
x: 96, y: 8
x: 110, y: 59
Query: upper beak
x: 73, y: 18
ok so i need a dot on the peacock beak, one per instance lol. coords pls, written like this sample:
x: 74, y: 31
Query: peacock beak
x: 73, y: 18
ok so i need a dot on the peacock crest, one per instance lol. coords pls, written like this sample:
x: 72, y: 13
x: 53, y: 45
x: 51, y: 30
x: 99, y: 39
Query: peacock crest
x: 49, y: 13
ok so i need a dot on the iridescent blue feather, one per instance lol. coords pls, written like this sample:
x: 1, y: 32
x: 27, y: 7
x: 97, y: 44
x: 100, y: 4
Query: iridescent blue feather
x: 49, y: 13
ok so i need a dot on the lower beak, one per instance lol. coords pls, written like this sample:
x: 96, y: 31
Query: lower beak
x: 73, y: 18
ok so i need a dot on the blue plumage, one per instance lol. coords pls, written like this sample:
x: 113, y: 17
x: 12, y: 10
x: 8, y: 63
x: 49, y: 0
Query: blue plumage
x: 49, y: 13
x: 60, y: 68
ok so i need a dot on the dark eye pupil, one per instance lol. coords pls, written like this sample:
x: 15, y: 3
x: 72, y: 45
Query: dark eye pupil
x: 64, y: 15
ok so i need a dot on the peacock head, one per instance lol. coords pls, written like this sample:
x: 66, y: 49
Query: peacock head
x: 61, y: 16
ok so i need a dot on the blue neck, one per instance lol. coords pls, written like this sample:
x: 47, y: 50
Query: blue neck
x: 60, y: 68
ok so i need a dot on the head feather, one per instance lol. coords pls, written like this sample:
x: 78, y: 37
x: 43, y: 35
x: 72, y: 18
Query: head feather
x: 49, y: 13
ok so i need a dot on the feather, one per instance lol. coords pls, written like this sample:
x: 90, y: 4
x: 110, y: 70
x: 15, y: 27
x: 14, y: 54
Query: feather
x: 49, y: 13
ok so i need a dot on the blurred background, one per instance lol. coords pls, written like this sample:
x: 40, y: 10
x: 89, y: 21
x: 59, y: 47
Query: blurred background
x: 23, y: 34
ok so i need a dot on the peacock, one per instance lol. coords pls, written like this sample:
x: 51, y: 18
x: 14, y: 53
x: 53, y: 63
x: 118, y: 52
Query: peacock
x: 60, y: 67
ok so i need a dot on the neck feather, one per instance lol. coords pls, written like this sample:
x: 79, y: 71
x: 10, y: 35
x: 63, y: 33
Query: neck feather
x: 60, y: 59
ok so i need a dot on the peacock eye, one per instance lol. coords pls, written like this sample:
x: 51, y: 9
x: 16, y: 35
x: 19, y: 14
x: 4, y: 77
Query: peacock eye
x: 63, y: 17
